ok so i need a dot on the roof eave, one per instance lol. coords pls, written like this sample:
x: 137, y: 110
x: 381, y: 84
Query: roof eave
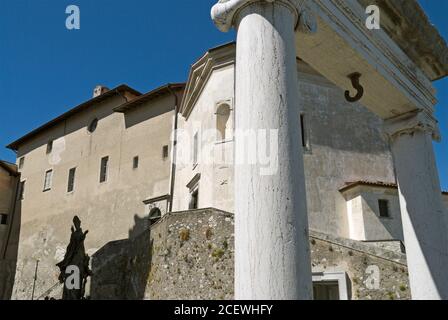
x: 122, y: 88
x: 12, y: 172
x: 149, y: 96
x: 384, y: 185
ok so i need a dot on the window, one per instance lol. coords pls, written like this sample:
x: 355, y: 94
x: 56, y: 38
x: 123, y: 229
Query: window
x: 195, y: 149
x: 330, y: 286
x: 165, y: 152
x: 222, y: 121
x: 71, y: 180
x: 193, y: 186
x: 21, y: 162
x: 104, y: 169
x: 92, y: 125
x: 21, y: 190
x: 48, y: 180
x: 49, y: 146
x: 304, y: 133
x: 384, y: 208
x: 326, y: 290
x: 3, y: 219
x: 194, y: 199
x: 135, y: 162
x: 154, y: 215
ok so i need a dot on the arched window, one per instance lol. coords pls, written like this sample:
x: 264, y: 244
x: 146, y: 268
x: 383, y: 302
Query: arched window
x: 223, y: 122
x: 154, y: 215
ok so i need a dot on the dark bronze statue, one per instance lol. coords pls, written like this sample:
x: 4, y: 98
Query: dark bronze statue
x: 75, y: 256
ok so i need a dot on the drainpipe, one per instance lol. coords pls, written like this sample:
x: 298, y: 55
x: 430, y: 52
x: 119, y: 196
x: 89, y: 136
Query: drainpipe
x: 173, y: 148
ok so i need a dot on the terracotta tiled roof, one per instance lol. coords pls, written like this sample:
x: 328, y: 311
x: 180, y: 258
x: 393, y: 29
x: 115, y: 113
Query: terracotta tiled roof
x: 350, y: 185
x: 381, y: 184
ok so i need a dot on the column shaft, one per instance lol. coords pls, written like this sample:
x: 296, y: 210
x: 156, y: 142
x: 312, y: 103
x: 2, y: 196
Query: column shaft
x: 423, y: 214
x: 272, y: 258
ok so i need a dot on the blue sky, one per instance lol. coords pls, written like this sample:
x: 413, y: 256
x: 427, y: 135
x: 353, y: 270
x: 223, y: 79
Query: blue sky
x: 46, y: 69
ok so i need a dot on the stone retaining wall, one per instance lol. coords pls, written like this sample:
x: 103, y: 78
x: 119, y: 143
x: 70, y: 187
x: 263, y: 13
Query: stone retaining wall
x: 189, y: 255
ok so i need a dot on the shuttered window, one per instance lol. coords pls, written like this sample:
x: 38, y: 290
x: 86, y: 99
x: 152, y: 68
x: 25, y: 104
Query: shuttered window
x: 165, y: 153
x: 48, y: 180
x: 21, y: 190
x: 104, y: 169
x: 71, y: 180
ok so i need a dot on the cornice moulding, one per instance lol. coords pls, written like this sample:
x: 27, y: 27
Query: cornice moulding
x: 200, y: 73
x: 379, y: 53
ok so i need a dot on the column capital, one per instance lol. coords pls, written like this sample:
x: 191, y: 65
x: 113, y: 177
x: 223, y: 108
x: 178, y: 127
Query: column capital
x: 411, y: 122
x: 225, y: 11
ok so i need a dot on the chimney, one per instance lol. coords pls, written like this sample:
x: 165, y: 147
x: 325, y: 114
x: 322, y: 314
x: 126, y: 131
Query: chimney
x: 99, y: 90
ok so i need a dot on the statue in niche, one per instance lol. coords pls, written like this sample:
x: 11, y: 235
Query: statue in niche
x: 75, y: 259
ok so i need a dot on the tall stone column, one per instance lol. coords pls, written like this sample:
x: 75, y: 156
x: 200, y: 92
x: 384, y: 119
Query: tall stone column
x: 423, y: 214
x: 272, y: 256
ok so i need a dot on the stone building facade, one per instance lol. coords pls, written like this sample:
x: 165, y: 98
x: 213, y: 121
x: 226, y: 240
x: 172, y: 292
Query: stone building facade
x: 97, y: 162
x: 115, y: 157
x: 8, y: 186
x: 9, y: 208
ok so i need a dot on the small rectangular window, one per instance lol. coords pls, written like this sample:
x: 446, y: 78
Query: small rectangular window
x: 194, y: 200
x: 71, y: 180
x: 21, y: 190
x: 384, y: 208
x: 195, y: 149
x: 135, y: 162
x: 48, y: 180
x: 21, y: 162
x: 49, y: 146
x: 304, y: 133
x: 3, y: 219
x: 165, y: 152
x: 104, y: 169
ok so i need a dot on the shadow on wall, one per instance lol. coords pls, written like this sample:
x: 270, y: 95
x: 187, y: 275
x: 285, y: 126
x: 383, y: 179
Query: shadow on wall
x: 335, y: 123
x: 121, y: 268
x: 383, y: 228
x: 9, y: 253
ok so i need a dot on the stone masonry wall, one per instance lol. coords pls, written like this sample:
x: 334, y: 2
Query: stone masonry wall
x: 373, y: 272
x: 189, y: 255
x: 186, y: 255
